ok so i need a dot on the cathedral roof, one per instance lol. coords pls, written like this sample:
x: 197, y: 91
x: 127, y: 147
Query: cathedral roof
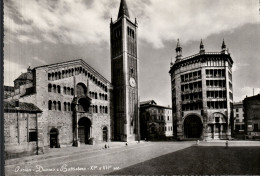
x: 123, y: 9
x: 25, y: 76
x: 75, y: 62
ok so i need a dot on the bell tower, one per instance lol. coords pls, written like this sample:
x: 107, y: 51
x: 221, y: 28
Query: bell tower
x: 124, y: 67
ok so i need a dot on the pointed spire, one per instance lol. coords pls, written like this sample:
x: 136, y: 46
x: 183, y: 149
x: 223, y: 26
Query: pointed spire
x: 178, y: 50
x: 224, y: 48
x: 123, y: 9
x: 223, y: 45
x: 202, y: 49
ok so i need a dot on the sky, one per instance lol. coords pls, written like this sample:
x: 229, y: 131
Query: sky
x: 41, y: 32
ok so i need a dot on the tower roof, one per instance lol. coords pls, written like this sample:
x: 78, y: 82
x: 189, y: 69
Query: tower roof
x: 201, y: 44
x: 223, y: 44
x: 178, y: 47
x: 123, y: 9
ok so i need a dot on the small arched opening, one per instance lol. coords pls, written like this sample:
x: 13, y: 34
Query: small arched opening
x: 105, y: 134
x: 54, y: 142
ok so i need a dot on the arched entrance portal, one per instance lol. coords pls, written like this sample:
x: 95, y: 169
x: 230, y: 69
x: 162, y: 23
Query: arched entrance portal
x: 105, y: 138
x: 192, y: 127
x: 54, y: 143
x: 84, y: 126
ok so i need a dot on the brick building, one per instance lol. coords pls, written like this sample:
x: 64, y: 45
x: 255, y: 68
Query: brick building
x: 21, y: 129
x: 252, y: 116
x: 125, y: 75
x: 202, y: 94
x: 155, y: 121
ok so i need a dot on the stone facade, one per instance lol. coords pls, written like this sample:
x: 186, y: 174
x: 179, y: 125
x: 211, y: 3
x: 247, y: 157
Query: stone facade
x: 202, y: 94
x: 155, y: 121
x: 252, y: 116
x: 66, y: 93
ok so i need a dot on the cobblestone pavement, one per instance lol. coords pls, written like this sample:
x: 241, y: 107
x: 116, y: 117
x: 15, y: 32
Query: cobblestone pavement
x: 145, y: 158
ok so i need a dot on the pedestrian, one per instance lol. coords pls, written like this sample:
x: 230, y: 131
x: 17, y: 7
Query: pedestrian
x: 226, y: 144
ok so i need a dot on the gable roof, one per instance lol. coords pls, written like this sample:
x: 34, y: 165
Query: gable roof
x: 148, y: 102
x: 77, y: 61
x: 25, y: 76
x: 25, y: 107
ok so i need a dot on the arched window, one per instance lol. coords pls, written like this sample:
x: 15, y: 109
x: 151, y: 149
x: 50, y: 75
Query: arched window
x: 69, y: 107
x: 54, y: 105
x: 49, y: 87
x: 65, y: 106
x: 50, y: 105
x: 54, y: 88
x: 105, y: 97
x: 65, y: 90
x: 72, y: 91
x: 72, y: 71
x: 58, y: 89
x: 81, y: 90
x: 106, y: 110
x: 59, y: 75
x: 59, y: 106
x: 52, y: 76
x: 63, y: 74
x: 68, y: 91
x: 95, y: 95
x: 49, y: 76
x: 101, y: 109
x: 56, y: 75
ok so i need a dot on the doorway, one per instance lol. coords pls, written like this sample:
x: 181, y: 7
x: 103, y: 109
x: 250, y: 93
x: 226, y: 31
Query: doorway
x: 192, y: 127
x: 84, y: 126
x: 54, y: 143
x: 105, y: 133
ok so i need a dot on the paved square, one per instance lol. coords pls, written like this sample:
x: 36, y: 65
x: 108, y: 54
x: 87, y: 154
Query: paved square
x: 151, y: 158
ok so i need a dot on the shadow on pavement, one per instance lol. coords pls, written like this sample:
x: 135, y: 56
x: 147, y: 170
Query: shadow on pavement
x: 202, y: 160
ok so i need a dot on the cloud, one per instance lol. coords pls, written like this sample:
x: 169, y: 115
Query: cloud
x: 11, y: 71
x: 63, y: 21
x: 192, y: 20
x: 246, y: 91
x: 87, y: 21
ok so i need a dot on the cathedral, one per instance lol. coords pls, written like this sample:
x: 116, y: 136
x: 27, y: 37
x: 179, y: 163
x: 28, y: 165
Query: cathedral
x: 73, y: 104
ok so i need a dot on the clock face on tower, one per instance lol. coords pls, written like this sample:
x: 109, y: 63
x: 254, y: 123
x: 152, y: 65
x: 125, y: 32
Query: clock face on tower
x: 132, y: 82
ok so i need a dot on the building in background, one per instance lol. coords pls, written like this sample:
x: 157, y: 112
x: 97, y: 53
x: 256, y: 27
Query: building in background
x: 202, y: 94
x: 252, y: 116
x: 21, y: 129
x: 239, y: 121
x: 8, y: 91
x: 155, y: 121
